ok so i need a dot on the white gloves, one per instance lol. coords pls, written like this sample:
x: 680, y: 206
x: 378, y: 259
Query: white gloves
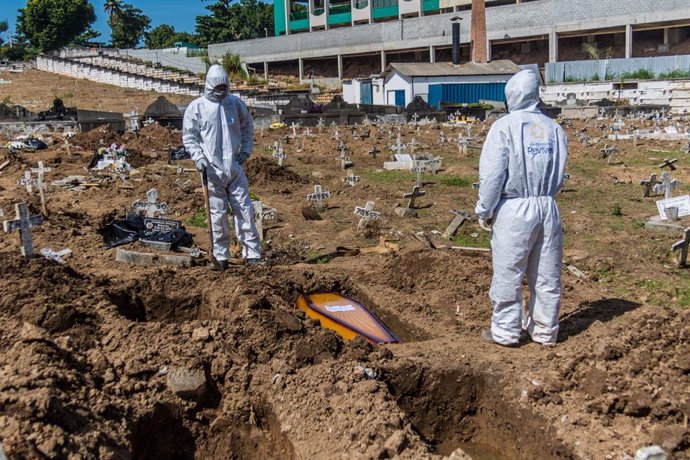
x: 201, y: 164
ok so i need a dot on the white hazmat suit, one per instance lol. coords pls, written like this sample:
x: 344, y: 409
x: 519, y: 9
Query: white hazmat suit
x: 521, y: 169
x: 218, y: 128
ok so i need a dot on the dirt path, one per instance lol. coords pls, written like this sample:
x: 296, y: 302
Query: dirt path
x: 90, y: 350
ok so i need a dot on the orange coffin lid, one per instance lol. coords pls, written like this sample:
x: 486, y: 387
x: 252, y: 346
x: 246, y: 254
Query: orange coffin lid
x: 345, y: 316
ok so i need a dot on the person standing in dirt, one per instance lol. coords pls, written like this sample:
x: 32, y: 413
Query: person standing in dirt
x: 521, y: 169
x: 218, y: 132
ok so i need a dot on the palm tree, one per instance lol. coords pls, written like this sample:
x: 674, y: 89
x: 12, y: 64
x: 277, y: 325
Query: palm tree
x: 113, y: 8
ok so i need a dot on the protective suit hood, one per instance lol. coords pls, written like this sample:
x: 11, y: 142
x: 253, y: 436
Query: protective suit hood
x: 216, y: 76
x: 522, y: 92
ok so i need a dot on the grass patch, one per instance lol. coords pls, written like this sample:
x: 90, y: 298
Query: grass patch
x: 455, y: 181
x: 386, y: 177
x: 198, y: 219
x: 465, y: 238
x: 616, y: 210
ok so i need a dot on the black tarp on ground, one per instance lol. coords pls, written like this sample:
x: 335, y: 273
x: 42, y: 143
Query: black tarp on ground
x: 131, y: 229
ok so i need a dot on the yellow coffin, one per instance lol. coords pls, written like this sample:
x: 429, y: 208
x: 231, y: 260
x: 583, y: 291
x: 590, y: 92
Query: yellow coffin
x: 345, y: 316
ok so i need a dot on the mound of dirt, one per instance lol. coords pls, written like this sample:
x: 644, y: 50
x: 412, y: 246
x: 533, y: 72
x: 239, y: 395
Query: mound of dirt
x: 153, y: 137
x: 263, y: 171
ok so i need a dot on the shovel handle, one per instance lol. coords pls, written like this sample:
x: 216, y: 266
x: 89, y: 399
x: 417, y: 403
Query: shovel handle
x: 207, y: 205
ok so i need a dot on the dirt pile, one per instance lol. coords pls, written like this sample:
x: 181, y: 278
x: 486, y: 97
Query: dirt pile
x: 261, y: 171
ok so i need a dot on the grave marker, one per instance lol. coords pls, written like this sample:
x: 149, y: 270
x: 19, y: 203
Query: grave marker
x: 649, y: 185
x: 41, y: 170
x: 681, y: 203
x: 669, y: 164
x: 320, y: 125
x: 56, y: 256
x: 458, y: 220
x: 23, y: 224
x: 319, y: 196
x: 366, y: 214
x: 441, y: 138
x: 279, y: 153
x: 419, y: 168
x: 351, y: 179
x: 682, y: 246
x: 262, y: 213
x: 412, y: 196
x: 373, y: 152
x: 151, y: 206
x: 28, y: 181
x: 609, y: 152
x: 667, y: 185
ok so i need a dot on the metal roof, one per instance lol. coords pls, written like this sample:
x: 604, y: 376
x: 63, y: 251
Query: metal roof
x: 446, y: 69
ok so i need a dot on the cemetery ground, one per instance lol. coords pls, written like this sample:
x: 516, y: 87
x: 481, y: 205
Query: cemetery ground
x: 104, y: 359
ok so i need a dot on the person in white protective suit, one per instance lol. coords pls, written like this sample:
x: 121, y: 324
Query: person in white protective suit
x: 521, y: 169
x: 218, y: 133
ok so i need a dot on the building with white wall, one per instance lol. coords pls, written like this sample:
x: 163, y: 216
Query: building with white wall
x: 437, y: 82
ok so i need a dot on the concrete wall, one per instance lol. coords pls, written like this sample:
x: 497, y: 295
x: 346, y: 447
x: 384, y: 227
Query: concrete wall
x: 675, y: 94
x: 542, y: 17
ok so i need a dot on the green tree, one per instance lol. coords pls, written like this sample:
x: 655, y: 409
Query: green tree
x: 112, y: 8
x: 86, y: 38
x: 234, y: 21
x: 4, y: 26
x: 127, y: 26
x: 51, y: 24
x: 162, y: 36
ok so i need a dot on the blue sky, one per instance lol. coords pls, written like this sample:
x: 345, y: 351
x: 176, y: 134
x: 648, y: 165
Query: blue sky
x: 181, y: 14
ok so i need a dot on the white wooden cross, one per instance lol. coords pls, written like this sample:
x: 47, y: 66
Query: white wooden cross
x: 441, y: 137
x: 351, y: 179
x: 28, y: 181
x: 279, y: 153
x: 320, y: 125
x: 23, y: 224
x: 398, y: 147
x: 413, y: 145
x: 294, y: 127
x: 412, y: 196
x: 415, y: 118
x: 40, y: 171
x: 319, y: 196
x: 366, y: 214
x: 56, y: 256
x: 336, y: 134
x: 459, y: 217
x: 463, y: 144
x: 261, y: 214
x: 667, y: 185
x: 151, y: 206
x: 419, y: 168
x: 682, y: 246
x: 344, y: 161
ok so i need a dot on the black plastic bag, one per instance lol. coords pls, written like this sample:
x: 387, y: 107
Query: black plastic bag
x: 179, y: 153
x: 36, y: 144
x: 131, y: 228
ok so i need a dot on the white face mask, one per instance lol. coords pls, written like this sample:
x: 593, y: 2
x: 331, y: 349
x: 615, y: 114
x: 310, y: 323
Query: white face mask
x: 219, y: 94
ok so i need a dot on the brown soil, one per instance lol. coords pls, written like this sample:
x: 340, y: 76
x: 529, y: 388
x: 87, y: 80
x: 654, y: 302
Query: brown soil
x: 36, y: 90
x: 87, y: 349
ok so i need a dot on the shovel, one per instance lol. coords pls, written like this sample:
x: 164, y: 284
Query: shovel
x: 207, y: 204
